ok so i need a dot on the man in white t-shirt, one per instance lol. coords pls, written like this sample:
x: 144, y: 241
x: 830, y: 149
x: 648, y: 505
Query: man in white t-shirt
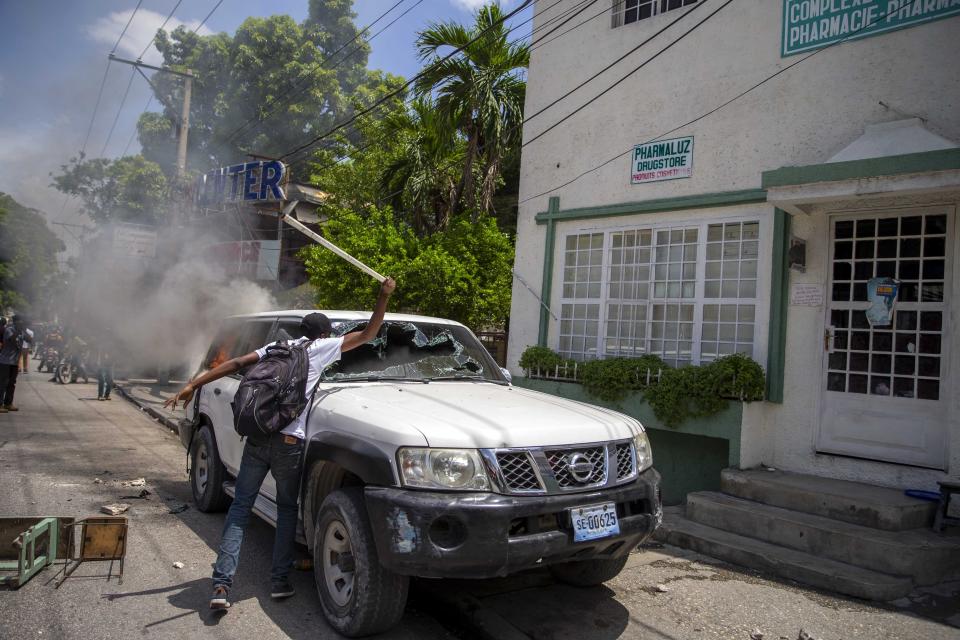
x: 281, y: 453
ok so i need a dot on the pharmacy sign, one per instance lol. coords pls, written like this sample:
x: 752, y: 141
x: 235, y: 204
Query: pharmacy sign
x: 811, y: 24
x: 662, y: 160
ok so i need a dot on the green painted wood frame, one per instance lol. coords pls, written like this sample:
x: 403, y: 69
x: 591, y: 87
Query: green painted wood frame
x: 924, y: 162
x: 779, y: 292
x: 553, y: 214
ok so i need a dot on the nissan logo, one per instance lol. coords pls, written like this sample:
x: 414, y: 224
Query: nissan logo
x: 580, y: 467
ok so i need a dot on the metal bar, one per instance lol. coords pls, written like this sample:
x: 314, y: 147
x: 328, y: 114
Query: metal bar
x: 138, y: 63
x: 302, y: 228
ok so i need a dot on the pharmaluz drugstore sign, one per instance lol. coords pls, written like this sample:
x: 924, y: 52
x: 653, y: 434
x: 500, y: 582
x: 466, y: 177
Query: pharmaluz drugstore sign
x: 662, y: 160
x: 811, y: 24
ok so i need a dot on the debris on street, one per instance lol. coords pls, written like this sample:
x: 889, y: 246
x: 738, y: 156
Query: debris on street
x: 97, y: 481
x: 179, y: 508
x: 178, y: 565
x: 662, y: 588
x: 143, y: 495
x: 139, y: 482
x: 756, y: 634
x: 115, y: 509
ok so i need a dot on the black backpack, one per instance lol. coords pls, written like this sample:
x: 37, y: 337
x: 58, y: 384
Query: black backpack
x: 273, y: 392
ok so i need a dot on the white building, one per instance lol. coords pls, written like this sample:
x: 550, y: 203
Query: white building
x: 681, y: 248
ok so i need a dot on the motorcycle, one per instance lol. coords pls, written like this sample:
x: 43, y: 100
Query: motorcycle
x: 71, y: 368
x: 49, y: 359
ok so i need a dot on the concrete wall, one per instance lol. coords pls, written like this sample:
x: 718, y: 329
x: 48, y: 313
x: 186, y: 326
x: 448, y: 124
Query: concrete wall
x: 804, y: 116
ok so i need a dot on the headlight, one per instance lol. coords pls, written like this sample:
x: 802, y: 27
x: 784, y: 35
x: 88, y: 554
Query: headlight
x: 641, y: 445
x: 460, y: 469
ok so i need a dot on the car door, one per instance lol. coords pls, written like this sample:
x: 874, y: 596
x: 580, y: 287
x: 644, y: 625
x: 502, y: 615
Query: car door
x: 237, y: 338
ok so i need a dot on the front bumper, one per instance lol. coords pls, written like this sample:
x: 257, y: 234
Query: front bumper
x: 482, y: 535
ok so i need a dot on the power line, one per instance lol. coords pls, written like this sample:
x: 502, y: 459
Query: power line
x: 149, y: 44
x: 126, y: 26
x: 204, y: 21
x: 259, y: 120
x: 404, y: 87
x: 113, y: 126
x: 96, y: 107
x: 627, y: 75
x: 721, y: 106
x: 134, y: 133
x: 544, y: 42
x: 574, y: 11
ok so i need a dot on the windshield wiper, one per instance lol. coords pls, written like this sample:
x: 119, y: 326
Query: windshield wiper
x: 373, y: 377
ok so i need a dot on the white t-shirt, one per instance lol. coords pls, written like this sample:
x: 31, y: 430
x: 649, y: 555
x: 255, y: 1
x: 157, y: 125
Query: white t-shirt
x: 27, y: 339
x: 322, y: 353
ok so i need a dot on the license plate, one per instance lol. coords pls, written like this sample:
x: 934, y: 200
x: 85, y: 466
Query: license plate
x: 590, y: 523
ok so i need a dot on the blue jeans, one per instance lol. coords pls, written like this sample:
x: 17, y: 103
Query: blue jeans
x: 258, y: 458
x: 104, y: 381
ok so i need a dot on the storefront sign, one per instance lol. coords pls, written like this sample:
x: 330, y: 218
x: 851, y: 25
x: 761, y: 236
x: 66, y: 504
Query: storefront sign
x: 806, y: 295
x: 811, y: 24
x: 135, y: 240
x: 250, y: 181
x: 662, y: 160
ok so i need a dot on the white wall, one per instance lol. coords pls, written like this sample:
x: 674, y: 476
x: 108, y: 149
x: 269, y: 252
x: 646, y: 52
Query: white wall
x: 804, y: 116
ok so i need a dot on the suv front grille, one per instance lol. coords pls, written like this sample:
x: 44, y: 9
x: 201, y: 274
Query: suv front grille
x: 517, y: 470
x: 624, y: 460
x: 561, y: 460
x: 565, y: 469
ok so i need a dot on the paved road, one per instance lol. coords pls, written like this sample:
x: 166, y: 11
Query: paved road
x: 50, y: 453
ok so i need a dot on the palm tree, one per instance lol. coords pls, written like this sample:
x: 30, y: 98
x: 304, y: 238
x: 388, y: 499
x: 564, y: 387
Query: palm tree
x: 481, y: 91
x: 422, y: 176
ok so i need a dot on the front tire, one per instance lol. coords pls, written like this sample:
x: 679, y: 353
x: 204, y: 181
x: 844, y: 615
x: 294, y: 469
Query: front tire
x: 588, y: 573
x: 359, y: 596
x: 207, y: 474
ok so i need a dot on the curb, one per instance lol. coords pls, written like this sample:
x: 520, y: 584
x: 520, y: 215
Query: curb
x: 167, y: 422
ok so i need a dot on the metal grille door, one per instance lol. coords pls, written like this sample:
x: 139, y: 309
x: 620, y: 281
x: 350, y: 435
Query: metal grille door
x: 883, y: 385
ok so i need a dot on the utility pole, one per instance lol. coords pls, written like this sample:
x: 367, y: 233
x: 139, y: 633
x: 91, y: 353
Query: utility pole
x: 184, y: 125
x: 184, y: 129
x: 184, y: 110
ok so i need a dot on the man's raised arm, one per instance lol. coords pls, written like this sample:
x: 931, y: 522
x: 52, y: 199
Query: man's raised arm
x: 354, y: 340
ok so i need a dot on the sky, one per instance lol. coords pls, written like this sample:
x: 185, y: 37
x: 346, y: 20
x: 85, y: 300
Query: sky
x: 53, y: 55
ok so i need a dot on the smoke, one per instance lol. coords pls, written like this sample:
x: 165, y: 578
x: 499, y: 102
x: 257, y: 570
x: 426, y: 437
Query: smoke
x: 156, y: 313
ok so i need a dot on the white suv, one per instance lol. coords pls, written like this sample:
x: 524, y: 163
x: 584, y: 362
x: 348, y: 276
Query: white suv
x: 423, y: 460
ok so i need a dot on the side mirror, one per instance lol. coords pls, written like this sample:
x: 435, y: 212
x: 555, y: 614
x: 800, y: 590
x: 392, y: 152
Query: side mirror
x: 506, y: 373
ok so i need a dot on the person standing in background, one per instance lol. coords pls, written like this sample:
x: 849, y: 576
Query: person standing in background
x: 25, y: 351
x: 104, y: 362
x: 13, y: 337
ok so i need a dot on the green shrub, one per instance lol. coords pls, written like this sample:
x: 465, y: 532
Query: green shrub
x: 738, y: 377
x: 611, y: 379
x: 678, y: 394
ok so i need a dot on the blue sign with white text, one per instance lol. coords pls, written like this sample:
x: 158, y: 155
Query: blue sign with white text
x: 259, y: 180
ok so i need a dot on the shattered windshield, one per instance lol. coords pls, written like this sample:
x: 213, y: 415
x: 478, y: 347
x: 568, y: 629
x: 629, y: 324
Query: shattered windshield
x: 414, y: 351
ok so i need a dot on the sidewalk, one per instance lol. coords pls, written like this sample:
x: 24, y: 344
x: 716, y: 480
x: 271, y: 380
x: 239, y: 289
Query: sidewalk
x: 149, y: 396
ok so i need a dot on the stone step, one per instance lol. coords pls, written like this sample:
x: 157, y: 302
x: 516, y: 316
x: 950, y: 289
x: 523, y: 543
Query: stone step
x: 786, y: 563
x: 853, y: 502
x: 925, y: 556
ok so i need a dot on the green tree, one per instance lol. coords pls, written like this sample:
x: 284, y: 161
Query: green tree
x: 463, y: 273
x: 421, y: 176
x: 481, y: 91
x: 262, y: 90
x: 28, y: 257
x: 131, y: 189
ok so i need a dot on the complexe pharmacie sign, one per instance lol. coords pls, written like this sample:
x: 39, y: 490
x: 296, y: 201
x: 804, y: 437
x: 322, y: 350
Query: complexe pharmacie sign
x: 662, y: 160
x: 261, y: 180
x: 811, y: 24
